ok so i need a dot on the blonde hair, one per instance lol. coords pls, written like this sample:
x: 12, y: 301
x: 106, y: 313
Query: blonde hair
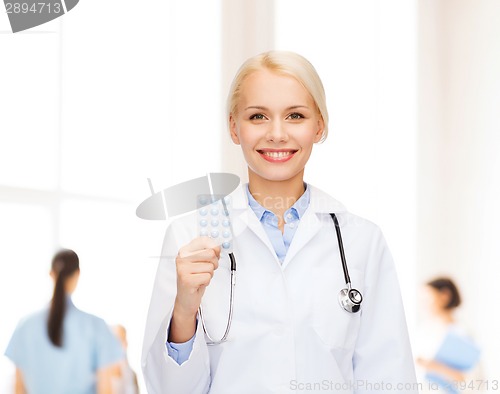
x: 285, y: 63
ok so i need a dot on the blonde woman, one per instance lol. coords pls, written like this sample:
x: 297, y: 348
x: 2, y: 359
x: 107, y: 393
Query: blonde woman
x: 288, y: 332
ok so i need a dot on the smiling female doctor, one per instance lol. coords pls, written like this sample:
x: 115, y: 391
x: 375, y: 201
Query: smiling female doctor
x: 289, y: 333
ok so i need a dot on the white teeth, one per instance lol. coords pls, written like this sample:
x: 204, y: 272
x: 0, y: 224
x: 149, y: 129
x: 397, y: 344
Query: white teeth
x: 277, y: 154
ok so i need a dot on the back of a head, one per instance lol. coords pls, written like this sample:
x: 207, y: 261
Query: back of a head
x: 285, y: 63
x: 64, y: 264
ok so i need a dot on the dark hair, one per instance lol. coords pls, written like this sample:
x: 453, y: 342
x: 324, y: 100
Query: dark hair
x: 64, y: 264
x: 447, y: 285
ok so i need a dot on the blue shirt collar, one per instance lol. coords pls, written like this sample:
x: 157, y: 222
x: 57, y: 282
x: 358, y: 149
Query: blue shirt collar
x: 297, y: 209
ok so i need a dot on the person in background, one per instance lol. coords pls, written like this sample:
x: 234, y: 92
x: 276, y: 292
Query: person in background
x: 60, y: 349
x: 124, y: 378
x: 448, y: 353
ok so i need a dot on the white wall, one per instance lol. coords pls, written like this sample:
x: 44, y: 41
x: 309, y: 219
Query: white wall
x: 247, y: 29
x: 365, y: 52
x: 459, y: 165
x: 91, y: 105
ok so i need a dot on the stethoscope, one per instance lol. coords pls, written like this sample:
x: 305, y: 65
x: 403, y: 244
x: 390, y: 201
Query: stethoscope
x: 349, y: 299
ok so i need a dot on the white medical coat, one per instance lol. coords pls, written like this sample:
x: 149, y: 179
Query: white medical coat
x: 289, y: 333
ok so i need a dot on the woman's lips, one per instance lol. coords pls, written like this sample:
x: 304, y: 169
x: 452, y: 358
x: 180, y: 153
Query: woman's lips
x: 276, y: 156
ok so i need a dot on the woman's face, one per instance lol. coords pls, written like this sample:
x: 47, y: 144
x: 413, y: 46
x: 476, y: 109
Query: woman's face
x: 434, y: 300
x: 276, y: 124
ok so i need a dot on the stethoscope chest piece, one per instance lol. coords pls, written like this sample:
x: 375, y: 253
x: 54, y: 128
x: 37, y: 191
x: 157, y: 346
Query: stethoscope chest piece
x: 350, y: 300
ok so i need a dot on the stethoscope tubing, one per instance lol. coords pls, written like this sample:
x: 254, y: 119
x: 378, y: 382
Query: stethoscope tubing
x: 211, y: 341
x: 341, y: 249
x: 350, y: 299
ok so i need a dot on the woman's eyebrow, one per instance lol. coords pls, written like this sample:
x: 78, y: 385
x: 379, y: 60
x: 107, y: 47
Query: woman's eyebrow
x: 265, y: 108
x: 297, y: 106
x: 256, y: 107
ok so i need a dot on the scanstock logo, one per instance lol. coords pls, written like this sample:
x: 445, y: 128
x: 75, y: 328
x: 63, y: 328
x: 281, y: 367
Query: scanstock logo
x: 25, y: 14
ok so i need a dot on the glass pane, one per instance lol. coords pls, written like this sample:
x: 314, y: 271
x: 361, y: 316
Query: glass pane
x: 369, y: 75
x: 29, y: 81
x: 26, y: 234
x: 347, y: 67
x: 150, y: 103
x: 116, y: 252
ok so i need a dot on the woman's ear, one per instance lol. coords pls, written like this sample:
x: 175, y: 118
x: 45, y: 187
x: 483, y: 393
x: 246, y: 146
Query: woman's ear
x: 321, y: 129
x: 71, y: 282
x: 232, y: 129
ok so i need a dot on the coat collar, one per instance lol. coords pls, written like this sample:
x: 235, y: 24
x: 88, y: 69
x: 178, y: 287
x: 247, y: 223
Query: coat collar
x: 321, y: 202
x: 244, y: 217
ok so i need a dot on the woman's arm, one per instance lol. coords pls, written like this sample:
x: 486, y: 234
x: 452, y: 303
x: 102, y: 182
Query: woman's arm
x: 104, y: 378
x: 441, y: 369
x: 19, y: 384
x: 162, y: 374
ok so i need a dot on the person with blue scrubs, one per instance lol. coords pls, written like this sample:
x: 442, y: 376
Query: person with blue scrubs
x: 62, y: 350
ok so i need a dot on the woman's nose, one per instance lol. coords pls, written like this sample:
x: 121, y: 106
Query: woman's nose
x: 277, y: 132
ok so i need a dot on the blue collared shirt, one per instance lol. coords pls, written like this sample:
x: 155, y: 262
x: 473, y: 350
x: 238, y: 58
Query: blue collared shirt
x: 281, y: 242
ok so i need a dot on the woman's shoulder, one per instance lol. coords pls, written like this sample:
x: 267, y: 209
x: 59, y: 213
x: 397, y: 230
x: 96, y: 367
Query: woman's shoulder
x: 33, y: 319
x: 28, y: 327
x: 323, y: 203
x: 86, y: 320
x: 87, y: 316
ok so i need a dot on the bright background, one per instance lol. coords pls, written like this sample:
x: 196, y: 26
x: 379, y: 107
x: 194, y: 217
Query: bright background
x: 115, y: 92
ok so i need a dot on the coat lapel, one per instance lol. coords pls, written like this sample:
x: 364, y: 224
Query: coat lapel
x: 310, y: 224
x: 308, y: 228
x: 244, y: 218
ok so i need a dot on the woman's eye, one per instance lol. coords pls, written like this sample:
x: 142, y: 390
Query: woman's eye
x: 296, y: 116
x: 257, y: 117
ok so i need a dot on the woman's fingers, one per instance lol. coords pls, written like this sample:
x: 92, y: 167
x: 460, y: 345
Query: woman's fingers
x: 196, y: 263
x: 186, y: 271
x: 200, y: 257
x: 199, y: 244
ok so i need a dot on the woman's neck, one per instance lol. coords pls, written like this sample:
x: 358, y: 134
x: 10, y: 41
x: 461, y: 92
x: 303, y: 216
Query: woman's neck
x: 276, y: 196
x: 446, y: 317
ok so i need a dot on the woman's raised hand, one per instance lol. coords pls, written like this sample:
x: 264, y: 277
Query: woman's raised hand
x: 196, y: 263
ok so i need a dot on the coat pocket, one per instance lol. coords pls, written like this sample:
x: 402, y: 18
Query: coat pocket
x: 335, y: 326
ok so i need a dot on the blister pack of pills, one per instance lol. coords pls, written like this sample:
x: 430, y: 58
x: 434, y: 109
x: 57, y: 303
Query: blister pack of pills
x: 214, y: 220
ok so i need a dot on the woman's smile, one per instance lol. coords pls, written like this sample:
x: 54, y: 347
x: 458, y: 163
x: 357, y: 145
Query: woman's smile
x: 277, y: 155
